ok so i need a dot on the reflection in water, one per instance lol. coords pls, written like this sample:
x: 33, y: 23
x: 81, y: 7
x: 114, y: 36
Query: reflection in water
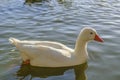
x: 53, y: 3
x: 44, y: 72
x: 33, y: 1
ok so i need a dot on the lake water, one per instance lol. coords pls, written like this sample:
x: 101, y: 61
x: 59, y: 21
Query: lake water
x: 55, y: 20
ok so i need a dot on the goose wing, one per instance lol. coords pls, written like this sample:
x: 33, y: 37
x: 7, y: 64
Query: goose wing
x: 44, y: 43
x: 40, y: 55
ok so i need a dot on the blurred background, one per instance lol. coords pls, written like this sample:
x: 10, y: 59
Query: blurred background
x: 61, y: 21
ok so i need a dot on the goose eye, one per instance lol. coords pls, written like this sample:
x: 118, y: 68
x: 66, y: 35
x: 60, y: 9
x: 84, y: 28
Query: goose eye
x: 91, y: 32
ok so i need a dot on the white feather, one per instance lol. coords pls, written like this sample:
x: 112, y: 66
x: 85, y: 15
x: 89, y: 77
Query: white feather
x: 53, y: 54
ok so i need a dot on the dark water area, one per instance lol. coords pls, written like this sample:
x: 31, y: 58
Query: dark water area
x: 45, y: 72
x: 61, y: 21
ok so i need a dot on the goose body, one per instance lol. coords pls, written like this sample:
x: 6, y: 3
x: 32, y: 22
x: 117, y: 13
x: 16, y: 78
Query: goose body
x: 55, y: 54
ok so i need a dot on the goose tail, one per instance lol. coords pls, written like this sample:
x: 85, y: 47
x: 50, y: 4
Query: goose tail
x: 13, y: 41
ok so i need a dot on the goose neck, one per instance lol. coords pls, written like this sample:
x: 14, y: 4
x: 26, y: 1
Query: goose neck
x: 80, y: 46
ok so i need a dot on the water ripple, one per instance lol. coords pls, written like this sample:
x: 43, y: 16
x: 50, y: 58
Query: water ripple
x: 62, y: 21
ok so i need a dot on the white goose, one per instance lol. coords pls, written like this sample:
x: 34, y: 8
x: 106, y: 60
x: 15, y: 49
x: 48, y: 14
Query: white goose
x: 54, y: 54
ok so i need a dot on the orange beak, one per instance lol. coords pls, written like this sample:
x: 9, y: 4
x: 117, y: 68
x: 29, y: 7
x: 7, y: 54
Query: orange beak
x: 97, y: 38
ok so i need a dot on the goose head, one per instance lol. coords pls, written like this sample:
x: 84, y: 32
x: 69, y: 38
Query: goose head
x: 88, y: 34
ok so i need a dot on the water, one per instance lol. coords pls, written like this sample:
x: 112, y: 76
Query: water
x: 62, y: 21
